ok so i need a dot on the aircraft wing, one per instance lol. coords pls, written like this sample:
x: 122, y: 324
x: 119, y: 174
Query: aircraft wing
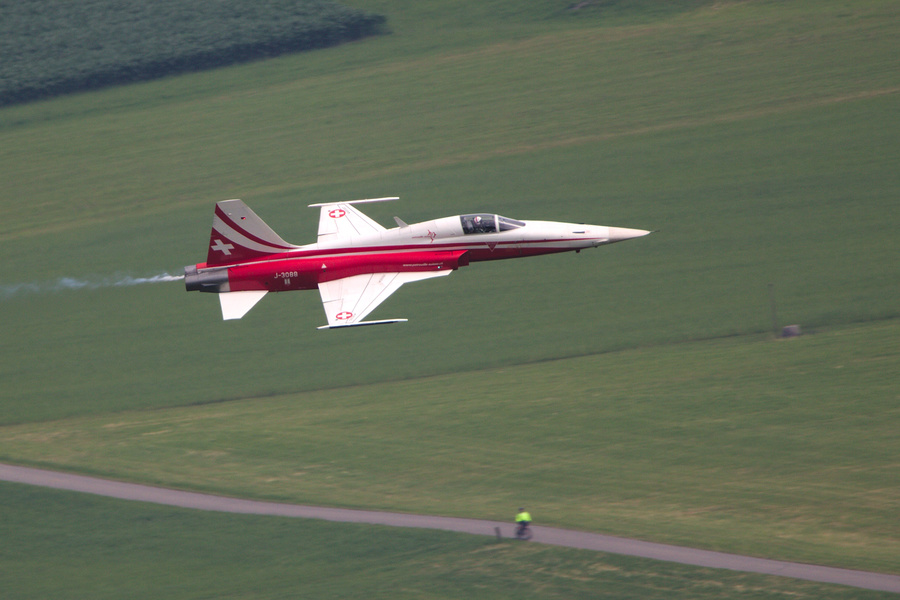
x: 341, y: 222
x: 347, y: 301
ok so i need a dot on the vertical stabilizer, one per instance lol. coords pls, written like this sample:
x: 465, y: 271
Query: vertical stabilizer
x: 238, y: 235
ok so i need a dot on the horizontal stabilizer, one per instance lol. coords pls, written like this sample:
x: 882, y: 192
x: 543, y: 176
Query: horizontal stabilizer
x: 237, y: 304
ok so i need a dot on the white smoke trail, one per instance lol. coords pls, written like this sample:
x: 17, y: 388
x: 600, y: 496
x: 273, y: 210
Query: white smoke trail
x: 63, y: 284
x: 162, y: 277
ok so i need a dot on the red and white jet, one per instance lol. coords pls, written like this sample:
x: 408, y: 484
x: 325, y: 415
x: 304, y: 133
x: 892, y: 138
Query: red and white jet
x: 356, y: 263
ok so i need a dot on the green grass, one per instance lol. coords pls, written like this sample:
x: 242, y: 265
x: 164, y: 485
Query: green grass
x: 747, y: 445
x: 819, y: 228
x: 64, y: 545
x: 168, y: 148
x: 759, y: 137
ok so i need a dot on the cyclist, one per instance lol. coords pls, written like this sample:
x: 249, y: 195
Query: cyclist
x: 523, y: 519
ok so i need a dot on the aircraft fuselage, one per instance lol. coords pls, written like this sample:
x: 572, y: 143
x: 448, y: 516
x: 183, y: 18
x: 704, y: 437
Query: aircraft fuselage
x: 434, y: 245
x: 358, y: 262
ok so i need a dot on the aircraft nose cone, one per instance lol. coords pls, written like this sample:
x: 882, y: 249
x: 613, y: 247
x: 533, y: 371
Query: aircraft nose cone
x: 620, y: 234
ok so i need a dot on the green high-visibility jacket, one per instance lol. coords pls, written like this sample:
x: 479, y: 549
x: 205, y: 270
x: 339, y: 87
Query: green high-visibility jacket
x: 523, y: 516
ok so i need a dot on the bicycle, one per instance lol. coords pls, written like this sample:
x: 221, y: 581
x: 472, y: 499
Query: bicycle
x: 523, y: 532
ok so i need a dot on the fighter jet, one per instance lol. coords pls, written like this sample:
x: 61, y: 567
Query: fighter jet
x: 356, y: 263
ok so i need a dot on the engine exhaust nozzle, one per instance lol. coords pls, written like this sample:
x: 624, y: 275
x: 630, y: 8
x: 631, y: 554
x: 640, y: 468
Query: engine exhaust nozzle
x: 206, y: 281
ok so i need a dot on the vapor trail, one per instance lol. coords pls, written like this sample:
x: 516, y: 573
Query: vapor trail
x: 10, y: 290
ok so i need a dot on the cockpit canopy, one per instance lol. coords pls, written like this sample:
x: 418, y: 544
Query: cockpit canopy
x: 487, y: 223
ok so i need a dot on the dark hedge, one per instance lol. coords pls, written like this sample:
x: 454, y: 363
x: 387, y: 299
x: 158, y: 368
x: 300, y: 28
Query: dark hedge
x: 51, y: 47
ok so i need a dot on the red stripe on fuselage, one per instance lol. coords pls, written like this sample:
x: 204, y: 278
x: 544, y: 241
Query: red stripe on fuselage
x: 303, y: 273
x: 304, y: 266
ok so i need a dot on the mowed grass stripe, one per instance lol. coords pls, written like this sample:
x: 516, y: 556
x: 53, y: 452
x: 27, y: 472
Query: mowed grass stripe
x: 162, y: 206
x: 800, y: 200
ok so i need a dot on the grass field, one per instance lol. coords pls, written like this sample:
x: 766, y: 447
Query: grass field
x: 687, y: 444
x: 759, y: 137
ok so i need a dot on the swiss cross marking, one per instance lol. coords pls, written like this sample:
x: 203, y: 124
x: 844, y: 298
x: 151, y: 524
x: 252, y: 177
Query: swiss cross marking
x: 224, y: 248
x: 343, y: 316
x: 337, y: 213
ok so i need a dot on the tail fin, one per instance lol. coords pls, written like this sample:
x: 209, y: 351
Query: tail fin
x: 238, y: 234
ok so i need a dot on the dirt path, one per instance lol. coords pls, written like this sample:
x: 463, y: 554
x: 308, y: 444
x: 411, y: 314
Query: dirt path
x: 544, y: 535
